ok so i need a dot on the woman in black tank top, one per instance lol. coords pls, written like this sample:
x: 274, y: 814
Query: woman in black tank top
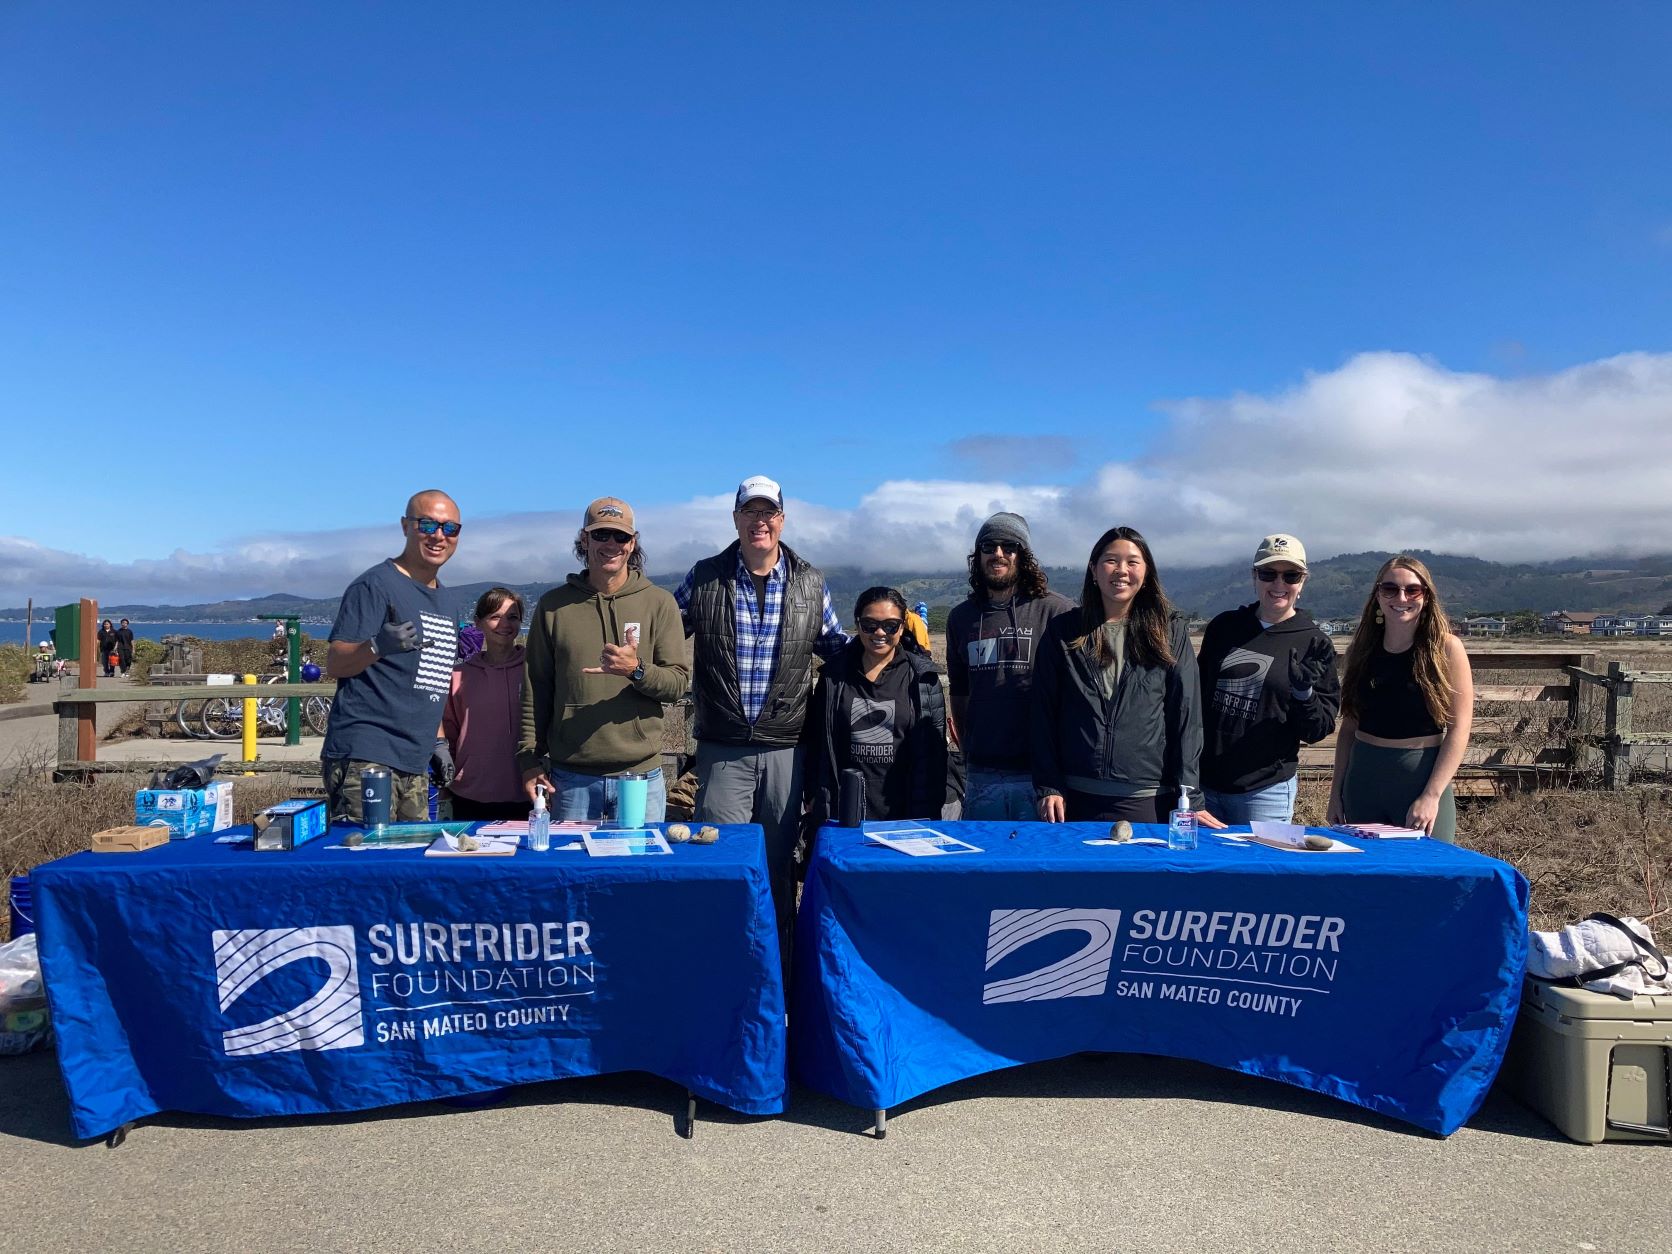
x: 1407, y: 706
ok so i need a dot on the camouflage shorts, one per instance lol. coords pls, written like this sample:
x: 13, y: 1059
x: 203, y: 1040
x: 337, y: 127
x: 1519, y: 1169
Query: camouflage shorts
x: 409, y: 795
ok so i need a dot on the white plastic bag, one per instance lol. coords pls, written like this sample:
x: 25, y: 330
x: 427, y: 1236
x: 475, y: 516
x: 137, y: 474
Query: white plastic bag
x: 23, y: 1017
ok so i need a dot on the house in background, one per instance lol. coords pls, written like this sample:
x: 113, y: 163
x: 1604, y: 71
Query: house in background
x: 1485, y: 625
x: 1614, y: 624
x: 1567, y: 623
x: 1654, y: 625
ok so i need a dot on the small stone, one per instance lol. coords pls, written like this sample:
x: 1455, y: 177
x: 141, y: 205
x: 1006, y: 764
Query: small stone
x: 1121, y: 831
x: 677, y: 833
x: 707, y: 835
x: 1316, y: 842
x: 467, y: 844
x: 354, y: 839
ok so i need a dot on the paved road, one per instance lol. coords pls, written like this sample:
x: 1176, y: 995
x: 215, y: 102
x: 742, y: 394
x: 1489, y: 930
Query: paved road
x: 1088, y: 1153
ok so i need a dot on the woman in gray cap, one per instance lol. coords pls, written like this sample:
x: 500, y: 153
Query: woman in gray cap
x: 1269, y: 686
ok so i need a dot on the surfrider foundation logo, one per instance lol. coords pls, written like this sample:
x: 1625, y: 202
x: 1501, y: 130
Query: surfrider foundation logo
x: 330, y: 1019
x: 1083, y: 973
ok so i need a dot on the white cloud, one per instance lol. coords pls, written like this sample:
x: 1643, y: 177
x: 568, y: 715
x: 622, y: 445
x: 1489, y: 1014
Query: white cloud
x: 1389, y: 451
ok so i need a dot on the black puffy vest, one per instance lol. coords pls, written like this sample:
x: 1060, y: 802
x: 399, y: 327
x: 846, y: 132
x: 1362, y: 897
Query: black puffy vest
x: 713, y: 620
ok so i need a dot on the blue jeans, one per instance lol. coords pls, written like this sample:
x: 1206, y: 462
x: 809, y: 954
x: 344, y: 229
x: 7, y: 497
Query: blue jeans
x: 1270, y: 805
x: 999, y: 795
x: 586, y: 796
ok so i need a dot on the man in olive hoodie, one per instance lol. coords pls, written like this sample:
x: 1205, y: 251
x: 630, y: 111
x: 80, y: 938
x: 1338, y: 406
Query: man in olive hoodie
x: 605, y: 651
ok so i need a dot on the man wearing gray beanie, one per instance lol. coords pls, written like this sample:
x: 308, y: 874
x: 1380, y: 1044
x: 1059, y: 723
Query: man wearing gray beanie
x: 990, y: 640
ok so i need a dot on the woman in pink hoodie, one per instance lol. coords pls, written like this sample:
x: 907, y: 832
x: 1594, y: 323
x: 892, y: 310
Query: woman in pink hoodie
x: 483, y: 715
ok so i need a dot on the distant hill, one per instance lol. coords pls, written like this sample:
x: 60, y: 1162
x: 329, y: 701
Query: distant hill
x: 1337, y: 588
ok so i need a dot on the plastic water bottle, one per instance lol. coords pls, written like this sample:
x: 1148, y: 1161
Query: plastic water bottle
x: 539, y: 822
x: 1181, y: 824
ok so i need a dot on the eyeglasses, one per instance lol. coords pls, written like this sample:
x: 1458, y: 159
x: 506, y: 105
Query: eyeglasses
x: 1401, y: 591
x: 429, y: 526
x: 889, y: 627
x: 1267, y: 575
x: 759, y: 515
x: 610, y: 535
x: 990, y: 547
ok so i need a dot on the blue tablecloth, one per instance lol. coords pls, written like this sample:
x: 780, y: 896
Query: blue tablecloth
x: 213, y: 979
x: 1388, y: 978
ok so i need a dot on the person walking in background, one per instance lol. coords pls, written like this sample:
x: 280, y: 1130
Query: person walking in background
x: 1407, y: 706
x: 992, y: 640
x: 1116, y: 716
x: 757, y: 614
x: 605, y: 651
x: 124, y: 646
x: 107, y: 648
x: 391, y: 653
x: 1269, y: 683
x: 483, y: 714
x: 878, y: 709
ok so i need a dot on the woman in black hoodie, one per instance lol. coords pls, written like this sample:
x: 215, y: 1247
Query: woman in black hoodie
x: 1270, y: 686
x: 878, y: 709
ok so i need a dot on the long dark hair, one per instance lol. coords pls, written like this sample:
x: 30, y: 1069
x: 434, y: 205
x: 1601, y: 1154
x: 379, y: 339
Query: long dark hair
x: 1148, y: 626
x: 897, y: 599
x: 1030, y: 580
x: 1428, y: 649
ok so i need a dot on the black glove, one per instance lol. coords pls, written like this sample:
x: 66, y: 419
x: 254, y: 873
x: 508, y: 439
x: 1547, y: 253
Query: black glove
x: 441, y: 762
x: 397, y: 638
x: 1307, y: 671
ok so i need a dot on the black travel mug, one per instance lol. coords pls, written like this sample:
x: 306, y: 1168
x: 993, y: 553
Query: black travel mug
x: 850, y: 801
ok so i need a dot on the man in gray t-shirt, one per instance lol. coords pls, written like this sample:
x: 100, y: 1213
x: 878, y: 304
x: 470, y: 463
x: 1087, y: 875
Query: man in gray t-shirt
x: 392, y: 651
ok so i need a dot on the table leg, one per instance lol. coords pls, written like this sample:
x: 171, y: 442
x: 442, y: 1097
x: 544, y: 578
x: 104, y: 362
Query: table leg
x: 690, y: 1115
x: 882, y: 1124
x: 115, y: 1139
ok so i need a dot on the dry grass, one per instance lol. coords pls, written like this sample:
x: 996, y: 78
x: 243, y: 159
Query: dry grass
x: 15, y: 664
x: 41, y: 820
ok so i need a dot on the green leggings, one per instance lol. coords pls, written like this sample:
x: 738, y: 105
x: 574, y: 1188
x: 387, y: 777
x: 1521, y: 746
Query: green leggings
x: 1382, y: 783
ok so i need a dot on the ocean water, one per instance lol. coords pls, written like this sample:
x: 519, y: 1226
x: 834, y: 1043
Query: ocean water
x: 156, y: 631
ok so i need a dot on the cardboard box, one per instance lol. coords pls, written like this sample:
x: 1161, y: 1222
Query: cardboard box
x: 1596, y: 1066
x: 129, y: 839
x: 186, y: 811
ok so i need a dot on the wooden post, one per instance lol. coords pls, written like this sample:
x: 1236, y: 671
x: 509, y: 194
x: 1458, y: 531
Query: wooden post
x: 1582, y: 716
x: 87, y: 727
x: 1616, y: 762
x: 29, y: 626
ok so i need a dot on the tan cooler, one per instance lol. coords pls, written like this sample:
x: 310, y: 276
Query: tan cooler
x: 1598, y: 1067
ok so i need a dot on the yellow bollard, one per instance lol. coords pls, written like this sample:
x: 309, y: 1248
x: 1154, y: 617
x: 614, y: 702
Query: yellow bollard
x: 249, y: 723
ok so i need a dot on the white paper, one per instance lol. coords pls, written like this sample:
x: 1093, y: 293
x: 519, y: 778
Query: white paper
x: 915, y: 839
x: 1291, y: 838
x: 446, y: 845
x: 625, y: 843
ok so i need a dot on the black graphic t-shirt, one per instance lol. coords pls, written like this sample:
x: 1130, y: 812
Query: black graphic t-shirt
x: 871, y: 731
x: 390, y: 712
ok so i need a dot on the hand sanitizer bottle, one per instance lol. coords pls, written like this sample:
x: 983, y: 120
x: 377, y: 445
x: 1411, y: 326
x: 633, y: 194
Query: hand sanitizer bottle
x: 539, y: 822
x: 1181, y: 824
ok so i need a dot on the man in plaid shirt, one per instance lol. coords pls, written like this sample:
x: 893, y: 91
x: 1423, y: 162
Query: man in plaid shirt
x: 756, y: 614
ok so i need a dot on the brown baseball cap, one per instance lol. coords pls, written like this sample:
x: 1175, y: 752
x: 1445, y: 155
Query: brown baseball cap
x: 610, y: 513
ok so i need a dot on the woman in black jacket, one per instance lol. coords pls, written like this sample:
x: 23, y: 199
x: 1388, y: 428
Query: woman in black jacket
x: 878, y: 709
x: 1269, y: 686
x: 1117, y: 719
x: 107, y: 648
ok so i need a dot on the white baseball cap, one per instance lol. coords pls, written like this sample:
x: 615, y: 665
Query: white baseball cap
x: 759, y: 488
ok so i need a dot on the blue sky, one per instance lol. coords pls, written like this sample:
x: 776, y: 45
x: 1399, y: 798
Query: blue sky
x: 1207, y: 269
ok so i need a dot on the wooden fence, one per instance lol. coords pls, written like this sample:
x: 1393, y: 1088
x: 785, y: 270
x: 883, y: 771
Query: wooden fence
x: 1618, y: 740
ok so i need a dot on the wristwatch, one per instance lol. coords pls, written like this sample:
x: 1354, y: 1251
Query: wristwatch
x: 638, y: 673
